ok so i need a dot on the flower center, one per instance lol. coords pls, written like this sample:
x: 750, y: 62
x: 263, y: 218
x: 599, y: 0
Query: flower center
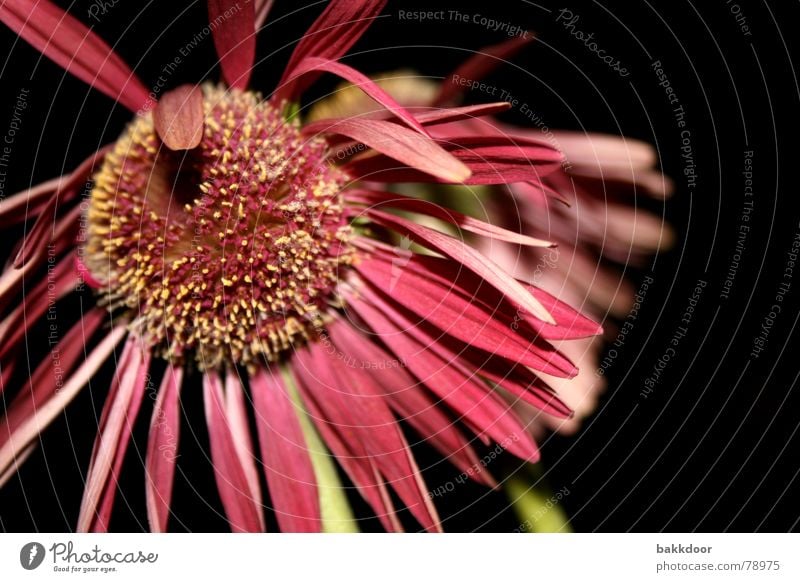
x: 229, y: 253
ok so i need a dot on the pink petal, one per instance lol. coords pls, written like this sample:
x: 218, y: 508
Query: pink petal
x: 233, y: 27
x: 46, y: 223
x: 330, y: 37
x: 463, y: 318
x: 467, y: 256
x: 348, y: 452
x: 463, y: 391
x: 408, y: 398
x: 242, y: 505
x: 481, y: 64
x: 178, y: 117
x: 462, y: 221
x: 490, y: 159
x: 71, y: 44
x: 114, y: 433
x: 311, y: 64
x: 357, y: 406
x: 452, y: 114
x: 162, y: 449
x: 48, y: 392
x: 287, y: 464
x: 399, y: 143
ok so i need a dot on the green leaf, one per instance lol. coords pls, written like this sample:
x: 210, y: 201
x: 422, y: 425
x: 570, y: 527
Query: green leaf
x: 337, y: 517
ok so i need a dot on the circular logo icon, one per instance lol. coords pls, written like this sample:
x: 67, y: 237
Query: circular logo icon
x: 31, y: 555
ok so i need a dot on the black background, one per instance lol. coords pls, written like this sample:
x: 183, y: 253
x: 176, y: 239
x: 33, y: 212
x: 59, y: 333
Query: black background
x: 714, y: 447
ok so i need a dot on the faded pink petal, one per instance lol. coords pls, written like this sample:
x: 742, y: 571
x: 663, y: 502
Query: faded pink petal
x: 233, y: 467
x: 399, y: 143
x: 162, y: 449
x: 114, y: 433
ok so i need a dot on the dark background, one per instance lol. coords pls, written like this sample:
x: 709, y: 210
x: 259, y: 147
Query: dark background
x: 714, y: 447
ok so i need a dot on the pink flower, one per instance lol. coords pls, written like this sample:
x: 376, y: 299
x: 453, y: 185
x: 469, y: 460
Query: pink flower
x: 227, y: 239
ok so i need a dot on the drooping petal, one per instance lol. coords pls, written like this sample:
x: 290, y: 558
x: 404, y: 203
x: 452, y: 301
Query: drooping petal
x: 330, y: 37
x: 496, y: 365
x: 67, y: 41
x: 233, y: 475
x: 491, y: 159
x: 114, y: 433
x: 349, y: 453
x: 396, y: 142
x: 468, y: 223
x: 287, y: 464
x: 467, y: 256
x: 465, y: 319
x: 479, y: 65
x: 357, y: 407
x: 461, y: 389
x: 370, y: 87
x: 178, y: 117
x: 408, y: 398
x: 233, y: 25
x: 162, y: 449
x: 49, y: 392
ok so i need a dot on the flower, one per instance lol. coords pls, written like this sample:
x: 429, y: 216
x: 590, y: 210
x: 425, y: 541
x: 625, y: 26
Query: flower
x: 230, y: 241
